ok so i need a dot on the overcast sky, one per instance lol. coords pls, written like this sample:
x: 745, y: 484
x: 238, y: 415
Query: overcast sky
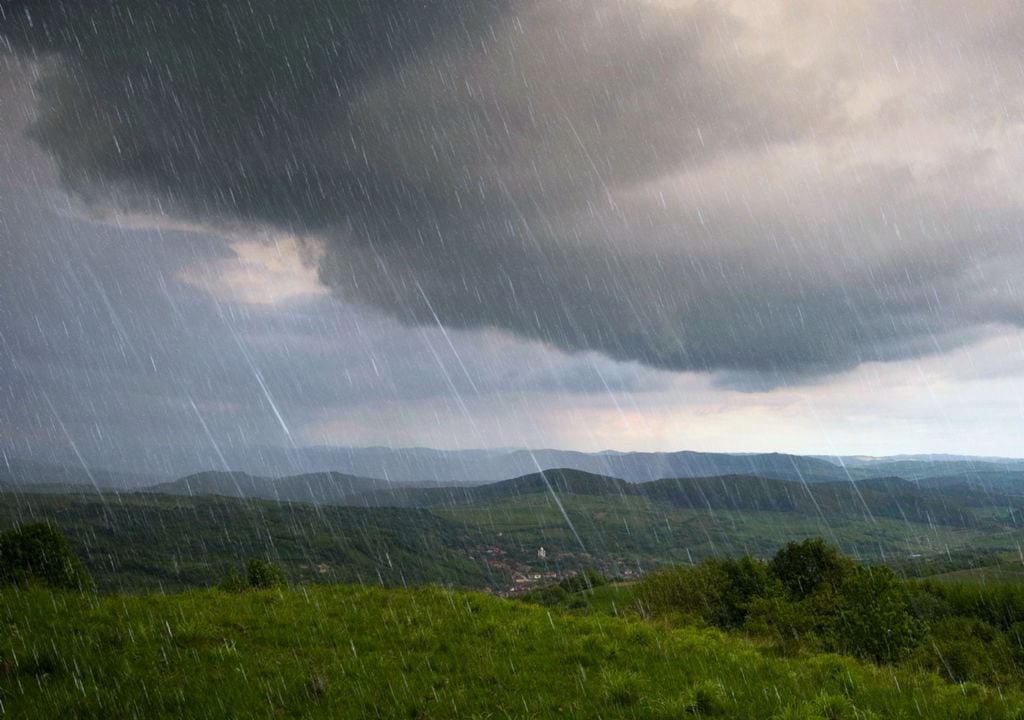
x: 633, y: 224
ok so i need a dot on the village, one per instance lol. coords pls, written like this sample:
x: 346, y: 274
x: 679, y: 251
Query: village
x: 543, y: 569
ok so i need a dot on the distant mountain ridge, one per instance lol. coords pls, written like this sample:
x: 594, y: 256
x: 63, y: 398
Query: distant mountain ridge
x: 329, y: 488
x: 882, y: 497
x: 15, y: 472
x: 466, y: 467
x: 477, y: 467
x: 469, y: 467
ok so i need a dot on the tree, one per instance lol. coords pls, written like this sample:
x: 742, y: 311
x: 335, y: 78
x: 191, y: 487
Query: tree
x: 874, y: 619
x: 40, y: 553
x: 746, y: 579
x: 718, y: 591
x: 804, y: 568
x: 263, y: 574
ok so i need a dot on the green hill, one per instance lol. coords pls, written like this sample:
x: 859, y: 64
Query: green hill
x: 877, y: 497
x: 355, y: 652
x: 951, y: 505
x: 327, y: 488
x: 559, y: 481
x: 481, y: 536
x: 139, y: 542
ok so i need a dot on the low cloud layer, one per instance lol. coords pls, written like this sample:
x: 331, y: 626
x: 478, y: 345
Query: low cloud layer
x: 763, y: 190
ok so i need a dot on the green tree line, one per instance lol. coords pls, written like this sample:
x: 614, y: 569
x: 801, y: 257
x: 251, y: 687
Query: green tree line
x: 809, y: 598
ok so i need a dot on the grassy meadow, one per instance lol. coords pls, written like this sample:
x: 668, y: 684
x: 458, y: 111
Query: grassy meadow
x: 360, y: 652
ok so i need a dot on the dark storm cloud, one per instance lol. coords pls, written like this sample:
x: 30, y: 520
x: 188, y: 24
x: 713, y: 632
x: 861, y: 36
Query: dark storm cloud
x: 103, y: 346
x: 659, y: 181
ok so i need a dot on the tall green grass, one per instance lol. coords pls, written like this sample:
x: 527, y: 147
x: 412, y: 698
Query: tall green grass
x: 359, y: 652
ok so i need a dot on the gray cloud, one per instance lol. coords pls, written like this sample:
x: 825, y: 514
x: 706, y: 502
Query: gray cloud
x: 676, y: 183
x: 102, y: 345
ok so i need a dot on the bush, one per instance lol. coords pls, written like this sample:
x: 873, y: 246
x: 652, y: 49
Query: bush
x: 873, y: 618
x: 967, y: 649
x: 232, y: 582
x: 805, y: 567
x: 261, y: 575
x: 719, y: 592
x: 550, y: 596
x: 692, y: 591
x: 745, y: 579
x: 707, y: 699
x: 793, y: 625
x: 586, y: 580
x: 40, y: 553
x: 925, y: 605
x: 997, y: 603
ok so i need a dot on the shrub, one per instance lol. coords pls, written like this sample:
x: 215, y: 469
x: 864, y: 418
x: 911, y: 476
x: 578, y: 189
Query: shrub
x: 873, y: 619
x: 926, y: 606
x: 261, y: 574
x: 586, y: 580
x: 997, y: 603
x: 793, y: 625
x: 40, y: 553
x: 967, y: 649
x: 550, y: 596
x: 232, y: 582
x: 719, y: 592
x: 805, y: 567
x: 695, y: 591
x: 745, y: 579
x: 707, y: 699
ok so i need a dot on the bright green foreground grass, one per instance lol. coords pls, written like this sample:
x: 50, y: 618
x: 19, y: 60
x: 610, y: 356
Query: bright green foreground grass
x: 351, y: 652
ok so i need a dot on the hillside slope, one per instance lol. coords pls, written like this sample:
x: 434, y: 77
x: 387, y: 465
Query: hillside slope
x: 318, y: 488
x: 880, y: 497
x: 351, y: 652
x: 139, y: 542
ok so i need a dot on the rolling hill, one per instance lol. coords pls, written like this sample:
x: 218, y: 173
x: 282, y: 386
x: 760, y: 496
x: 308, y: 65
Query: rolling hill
x: 328, y: 488
x: 424, y: 466
x: 332, y: 526
x: 363, y: 652
x: 883, y: 497
x: 149, y: 542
